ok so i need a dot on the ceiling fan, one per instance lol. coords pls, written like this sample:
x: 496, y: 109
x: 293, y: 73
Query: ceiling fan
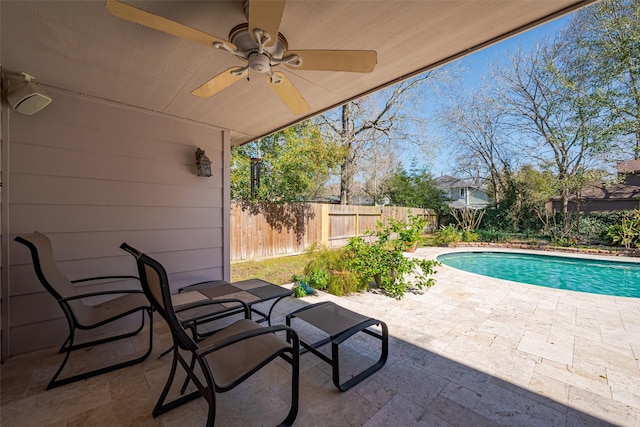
x: 259, y: 44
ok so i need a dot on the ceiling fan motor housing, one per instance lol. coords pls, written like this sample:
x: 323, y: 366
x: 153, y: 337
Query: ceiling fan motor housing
x: 259, y: 62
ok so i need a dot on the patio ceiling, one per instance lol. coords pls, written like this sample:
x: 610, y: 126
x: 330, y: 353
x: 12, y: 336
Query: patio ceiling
x: 81, y: 47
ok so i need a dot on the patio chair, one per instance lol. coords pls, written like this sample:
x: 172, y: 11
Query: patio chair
x: 81, y: 315
x: 226, y: 358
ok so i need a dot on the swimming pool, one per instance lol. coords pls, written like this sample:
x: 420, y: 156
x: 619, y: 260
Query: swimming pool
x: 577, y: 274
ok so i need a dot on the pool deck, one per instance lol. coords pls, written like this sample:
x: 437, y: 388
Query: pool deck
x: 470, y: 351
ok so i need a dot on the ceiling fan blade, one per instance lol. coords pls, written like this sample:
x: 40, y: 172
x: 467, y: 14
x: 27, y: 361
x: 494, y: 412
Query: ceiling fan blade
x: 219, y: 82
x: 148, y: 19
x: 266, y: 15
x: 288, y: 93
x: 355, y: 61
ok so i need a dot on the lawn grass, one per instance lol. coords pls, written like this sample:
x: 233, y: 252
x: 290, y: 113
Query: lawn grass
x: 274, y: 270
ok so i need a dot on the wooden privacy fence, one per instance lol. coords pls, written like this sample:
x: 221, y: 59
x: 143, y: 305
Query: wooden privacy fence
x: 269, y: 230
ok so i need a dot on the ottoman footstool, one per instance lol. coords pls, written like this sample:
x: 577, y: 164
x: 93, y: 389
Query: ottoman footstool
x: 340, y: 324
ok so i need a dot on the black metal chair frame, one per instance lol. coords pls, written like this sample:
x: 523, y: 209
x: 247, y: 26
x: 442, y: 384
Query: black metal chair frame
x: 68, y: 346
x: 349, y: 329
x: 192, y: 322
x: 182, y: 341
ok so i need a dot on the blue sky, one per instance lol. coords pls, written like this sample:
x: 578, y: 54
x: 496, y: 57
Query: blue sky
x: 477, y: 65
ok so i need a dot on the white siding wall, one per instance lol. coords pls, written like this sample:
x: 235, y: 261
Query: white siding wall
x: 478, y: 198
x: 92, y: 174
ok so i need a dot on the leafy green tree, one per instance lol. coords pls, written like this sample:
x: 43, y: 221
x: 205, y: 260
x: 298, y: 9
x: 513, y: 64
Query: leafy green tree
x: 294, y: 165
x: 523, y: 207
x: 606, y: 39
x: 530, y: 190
x: 522, y: 203
x: 414, y: 189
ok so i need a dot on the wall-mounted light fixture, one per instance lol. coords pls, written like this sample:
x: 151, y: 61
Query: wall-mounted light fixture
x: 27, y: 97
x: 203, y: 164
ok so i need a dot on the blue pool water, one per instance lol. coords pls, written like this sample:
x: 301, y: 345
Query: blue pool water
x: 576, y: 274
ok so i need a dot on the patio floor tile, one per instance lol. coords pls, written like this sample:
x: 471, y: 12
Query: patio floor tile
x: 539, y: 345
x: 470, y: 351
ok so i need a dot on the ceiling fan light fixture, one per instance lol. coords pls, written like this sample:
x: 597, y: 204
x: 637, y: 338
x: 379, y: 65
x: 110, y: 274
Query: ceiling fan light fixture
x: 259, y: 62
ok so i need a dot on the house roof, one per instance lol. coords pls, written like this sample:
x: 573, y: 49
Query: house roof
x: 629, y: 166
x: 446, y: 182
x: 79, y: 46
x: 620, y: 191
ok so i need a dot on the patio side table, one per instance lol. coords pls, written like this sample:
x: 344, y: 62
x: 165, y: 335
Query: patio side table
x: 251, y: 291
x: 340, y: 324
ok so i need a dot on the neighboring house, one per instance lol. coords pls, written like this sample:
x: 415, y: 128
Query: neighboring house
x: 462, y: 193
x: 624, y: 195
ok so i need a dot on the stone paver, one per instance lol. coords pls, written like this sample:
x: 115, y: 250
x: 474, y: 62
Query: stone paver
x: 471, y: 351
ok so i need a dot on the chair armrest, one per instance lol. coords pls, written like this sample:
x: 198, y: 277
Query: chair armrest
x: 131, y: 250
x: 101, y: 293
x: 104, y: 278
x: 198, y: 304
x: 250, y: 334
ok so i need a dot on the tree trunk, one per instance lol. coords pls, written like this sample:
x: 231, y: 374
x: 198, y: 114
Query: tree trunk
x: 346, y: 182
x: 346, y: 171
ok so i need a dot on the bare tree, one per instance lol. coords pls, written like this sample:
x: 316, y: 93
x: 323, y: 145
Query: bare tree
x: 476, y: 130
x: 381, y: 122
x: 382, y: 167
x: 547, y: 101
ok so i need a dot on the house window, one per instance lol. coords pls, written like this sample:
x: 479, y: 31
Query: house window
x: 462, y: 193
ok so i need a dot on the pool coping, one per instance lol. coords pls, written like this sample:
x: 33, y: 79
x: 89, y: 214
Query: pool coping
x: 559, y: 253
x: 613, y: 252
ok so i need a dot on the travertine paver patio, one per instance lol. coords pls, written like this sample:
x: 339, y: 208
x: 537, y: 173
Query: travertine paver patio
x: 472, y: 351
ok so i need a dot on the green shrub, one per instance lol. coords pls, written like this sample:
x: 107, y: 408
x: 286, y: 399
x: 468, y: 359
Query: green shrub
x: 506, y: 218
x: 448, y: 234
x: 380, y: 258
x: 299, y: 292
x: 409, y: 233
x: 469, y: 236
x: 594, y: 226
x: 301, y: 287
x: 564, y: 242
x: 627, y: 232
x: 317, y: 278
x: 328, y: 269
x: 344, y: 283
x: 323, y: 261
x: 492, y: 236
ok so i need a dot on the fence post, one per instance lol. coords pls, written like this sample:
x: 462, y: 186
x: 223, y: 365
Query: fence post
x: 324, y: 225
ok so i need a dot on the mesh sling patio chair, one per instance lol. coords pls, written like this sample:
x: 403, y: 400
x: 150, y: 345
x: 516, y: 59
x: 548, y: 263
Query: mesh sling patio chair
x: 226, y: 358
x: 81, y: 316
